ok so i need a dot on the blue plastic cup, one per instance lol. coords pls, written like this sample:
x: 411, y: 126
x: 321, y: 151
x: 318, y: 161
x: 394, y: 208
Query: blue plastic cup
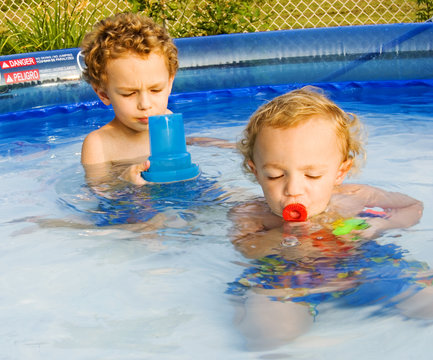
x: 169, y: 160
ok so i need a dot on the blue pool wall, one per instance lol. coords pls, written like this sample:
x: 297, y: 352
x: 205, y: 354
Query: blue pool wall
x: 340, y: 54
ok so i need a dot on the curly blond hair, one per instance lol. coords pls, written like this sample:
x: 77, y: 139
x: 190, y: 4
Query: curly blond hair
x: 123, y: 34
x: 298, y: 106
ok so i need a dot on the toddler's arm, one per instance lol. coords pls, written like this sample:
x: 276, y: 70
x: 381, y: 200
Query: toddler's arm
x: 256, y: 231
x: 402, y: 211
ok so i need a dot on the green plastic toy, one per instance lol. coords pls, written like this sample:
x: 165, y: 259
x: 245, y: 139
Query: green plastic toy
x: 343, y: 227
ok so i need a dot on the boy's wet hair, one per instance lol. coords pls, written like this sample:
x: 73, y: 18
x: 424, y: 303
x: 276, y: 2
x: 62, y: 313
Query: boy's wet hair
x: 295, y: 108
x: 124, y: 34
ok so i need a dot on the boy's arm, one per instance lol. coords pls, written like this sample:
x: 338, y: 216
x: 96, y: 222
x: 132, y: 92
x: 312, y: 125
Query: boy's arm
x: 96, y: 168
x: 209, y: 141
x: 132, y: 174
x: 103, y: 176
x: 99, y: 171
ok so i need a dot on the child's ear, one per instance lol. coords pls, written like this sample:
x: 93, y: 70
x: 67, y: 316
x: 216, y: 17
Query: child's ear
x: 170, y: 83
x: 252, y: 167
x: 102, y: 95
x: 343, y: 170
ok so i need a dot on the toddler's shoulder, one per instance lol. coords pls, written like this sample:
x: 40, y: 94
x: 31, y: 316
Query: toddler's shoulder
x: 356, y: 189
x: 255, y: 212
x: 257, y: 207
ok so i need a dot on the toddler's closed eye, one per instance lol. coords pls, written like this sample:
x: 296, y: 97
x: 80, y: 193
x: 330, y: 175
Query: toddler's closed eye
x: 275, y: 177
x: 313, y: 177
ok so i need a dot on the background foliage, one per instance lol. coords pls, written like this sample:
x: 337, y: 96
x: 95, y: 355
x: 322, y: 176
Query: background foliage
x: 62, y: 28
x: 425, y: 10
x: 57, y: 24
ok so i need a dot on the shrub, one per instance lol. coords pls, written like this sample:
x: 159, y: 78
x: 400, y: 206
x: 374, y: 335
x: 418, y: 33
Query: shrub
x: 204, y: 18
x: 425, y: 10
x: 7, y: 45
x: 225, y: 17
x: 61, y: 28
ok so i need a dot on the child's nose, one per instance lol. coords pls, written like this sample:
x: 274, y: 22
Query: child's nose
x: 143, y: 101
x: 293, y: 186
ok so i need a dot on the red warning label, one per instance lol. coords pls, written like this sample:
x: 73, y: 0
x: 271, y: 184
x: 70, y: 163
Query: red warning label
x: 21, y: 76
x: 9, y: 64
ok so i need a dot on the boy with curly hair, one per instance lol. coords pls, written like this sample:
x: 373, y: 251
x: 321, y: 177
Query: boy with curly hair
x: 131, y: 63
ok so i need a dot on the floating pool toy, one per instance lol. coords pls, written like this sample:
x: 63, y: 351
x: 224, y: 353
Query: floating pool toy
x: 169, y: 160
x: 373, y: 213
x: 295, y: 212
x: 345, y: 226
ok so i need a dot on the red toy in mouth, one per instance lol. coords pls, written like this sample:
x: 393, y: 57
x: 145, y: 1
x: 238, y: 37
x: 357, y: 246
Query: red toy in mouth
x: 295, y: 212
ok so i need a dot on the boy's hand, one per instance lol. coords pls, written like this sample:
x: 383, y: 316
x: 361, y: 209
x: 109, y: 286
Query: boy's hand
x: 133, y: 173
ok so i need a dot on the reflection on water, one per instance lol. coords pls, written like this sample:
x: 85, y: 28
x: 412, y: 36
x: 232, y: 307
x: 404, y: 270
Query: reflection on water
x: 123, y: 204
x: 323, y: 267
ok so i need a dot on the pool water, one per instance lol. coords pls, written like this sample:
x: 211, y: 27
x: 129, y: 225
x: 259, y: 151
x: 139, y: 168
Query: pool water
x: 73, y: 290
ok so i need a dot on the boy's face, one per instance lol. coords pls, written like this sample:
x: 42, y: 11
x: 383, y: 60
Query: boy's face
x: 137, y: 88
x: 300, y: 164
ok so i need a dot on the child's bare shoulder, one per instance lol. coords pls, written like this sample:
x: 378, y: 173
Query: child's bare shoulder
x: 350, y: 189
x: 253, y: 207
x: 93, y: 148
x: 358, y: 190
x: 254, y: 215
x: 99, y: 135
x: 350, y: 199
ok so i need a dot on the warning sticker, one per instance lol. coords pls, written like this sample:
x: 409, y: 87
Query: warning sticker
x: 8, y: 64
x: 21, y: 76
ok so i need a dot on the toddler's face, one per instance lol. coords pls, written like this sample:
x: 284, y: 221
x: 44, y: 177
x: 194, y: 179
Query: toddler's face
x: 137, y: 88
x: 300, y: 164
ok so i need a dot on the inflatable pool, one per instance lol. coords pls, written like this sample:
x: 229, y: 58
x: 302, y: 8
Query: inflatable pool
x: 78, y: 283
x: 327, y: 55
